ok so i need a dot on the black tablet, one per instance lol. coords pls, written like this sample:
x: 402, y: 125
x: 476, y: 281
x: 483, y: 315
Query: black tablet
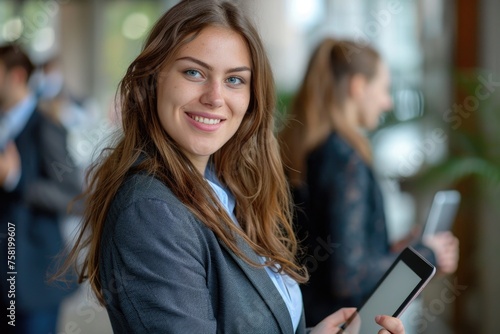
x: 442, y: 213
x: 402, y: 283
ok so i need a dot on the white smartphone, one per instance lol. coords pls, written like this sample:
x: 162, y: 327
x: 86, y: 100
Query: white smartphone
x: 399, y: 286
x: 442, y: 213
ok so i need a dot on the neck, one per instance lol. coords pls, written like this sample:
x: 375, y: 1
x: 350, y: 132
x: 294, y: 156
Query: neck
x: 200, y: 163
x: 350, y: 111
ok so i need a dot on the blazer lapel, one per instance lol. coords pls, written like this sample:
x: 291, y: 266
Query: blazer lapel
x: 263, y: 284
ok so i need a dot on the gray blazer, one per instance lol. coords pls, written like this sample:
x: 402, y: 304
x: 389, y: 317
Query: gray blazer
x: 164, y: 271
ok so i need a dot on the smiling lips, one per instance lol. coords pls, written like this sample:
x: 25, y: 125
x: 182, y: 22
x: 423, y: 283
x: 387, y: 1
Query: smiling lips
x: 205, y: 120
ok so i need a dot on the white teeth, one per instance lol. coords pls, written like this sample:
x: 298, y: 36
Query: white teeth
x: 206, y: 120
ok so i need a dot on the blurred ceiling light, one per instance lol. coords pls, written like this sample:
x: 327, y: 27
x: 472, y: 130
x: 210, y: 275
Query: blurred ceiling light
x: 305, y: 13
x: 398, y: 150
x: 135, y: 25
x: 44, y: 39
x: 12, y: 29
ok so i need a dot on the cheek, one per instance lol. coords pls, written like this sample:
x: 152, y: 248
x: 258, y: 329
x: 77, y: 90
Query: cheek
x: 243, y: 109
x: 240, y: 105
x: 165, y: 110
x: 370, y: 105
x: 170, y: 98
x: 376, y: 103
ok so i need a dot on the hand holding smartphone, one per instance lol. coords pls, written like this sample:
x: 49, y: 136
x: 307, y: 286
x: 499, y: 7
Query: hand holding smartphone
x: 442, y: 213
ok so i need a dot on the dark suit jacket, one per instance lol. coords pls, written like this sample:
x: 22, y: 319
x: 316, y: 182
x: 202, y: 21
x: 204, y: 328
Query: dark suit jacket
x: 164, y: 271
x: 38, y: 239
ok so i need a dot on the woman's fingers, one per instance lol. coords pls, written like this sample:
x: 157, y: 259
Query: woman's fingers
x: 391, y: 325
x: 330, y: 325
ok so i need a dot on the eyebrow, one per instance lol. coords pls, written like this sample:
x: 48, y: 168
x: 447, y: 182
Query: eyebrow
x: 210, y: 68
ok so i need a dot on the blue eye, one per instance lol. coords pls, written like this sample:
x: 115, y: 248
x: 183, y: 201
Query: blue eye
x: 235, y: 81
x: 193, y: 73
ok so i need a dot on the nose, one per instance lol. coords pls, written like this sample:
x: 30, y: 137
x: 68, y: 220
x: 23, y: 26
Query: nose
x: 212, y: 96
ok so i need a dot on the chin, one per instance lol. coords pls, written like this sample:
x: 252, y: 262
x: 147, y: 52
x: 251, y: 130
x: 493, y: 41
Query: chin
x: 370, y: 127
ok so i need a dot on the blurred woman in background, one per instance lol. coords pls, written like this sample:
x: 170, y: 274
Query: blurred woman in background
x: 339, y: 203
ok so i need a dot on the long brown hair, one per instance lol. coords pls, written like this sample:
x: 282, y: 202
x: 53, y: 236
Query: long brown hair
x: 316, y: 109
x: 249, y: 164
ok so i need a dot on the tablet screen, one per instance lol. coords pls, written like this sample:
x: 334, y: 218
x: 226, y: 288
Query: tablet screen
x: 397, y: 286
x: 407, y: 276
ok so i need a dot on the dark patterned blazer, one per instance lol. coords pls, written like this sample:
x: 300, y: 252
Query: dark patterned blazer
x: 340, y: 217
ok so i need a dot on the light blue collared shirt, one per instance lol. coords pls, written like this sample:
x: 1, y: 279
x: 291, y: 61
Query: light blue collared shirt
x: 12, y: 123
x: 287, y: 287
x: 14, y: 120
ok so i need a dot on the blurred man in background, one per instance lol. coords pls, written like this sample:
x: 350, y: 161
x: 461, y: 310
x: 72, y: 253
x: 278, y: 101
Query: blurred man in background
x: 38, y: 180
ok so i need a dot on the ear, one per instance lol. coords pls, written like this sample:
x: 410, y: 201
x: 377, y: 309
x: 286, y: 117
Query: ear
x: 357, y: 86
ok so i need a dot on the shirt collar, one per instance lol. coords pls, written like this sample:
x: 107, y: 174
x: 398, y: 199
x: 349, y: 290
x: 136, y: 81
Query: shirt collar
x: 223, y: 194
x: 15, y: 119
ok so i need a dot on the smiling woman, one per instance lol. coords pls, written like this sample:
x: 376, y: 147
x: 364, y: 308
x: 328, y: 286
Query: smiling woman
x: 188, y: 221
x: 205, y: 92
